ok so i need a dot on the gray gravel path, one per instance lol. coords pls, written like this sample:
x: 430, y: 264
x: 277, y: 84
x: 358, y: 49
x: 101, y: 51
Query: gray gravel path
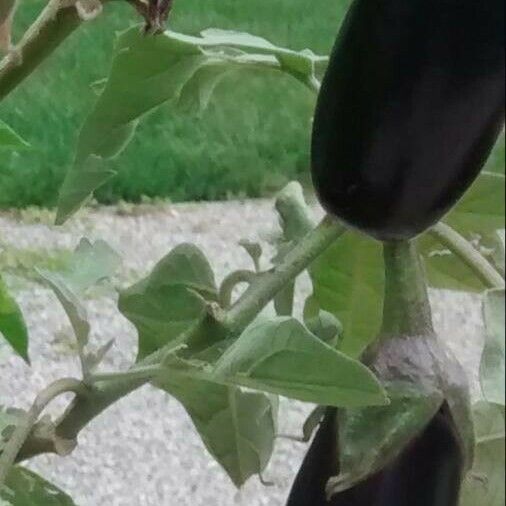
x: 144, y: 451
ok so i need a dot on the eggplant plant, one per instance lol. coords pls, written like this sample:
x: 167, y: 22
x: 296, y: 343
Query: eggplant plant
x: 411, y: 103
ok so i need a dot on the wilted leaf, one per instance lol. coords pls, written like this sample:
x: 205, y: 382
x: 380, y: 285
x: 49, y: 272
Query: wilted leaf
x: 281, y: 356
x: 74, y: 308
x: 90, y: 263
x: 484, y: 485
x: 148, y: 71
x: 170, y: 300
x: 25, y: 488
x: 12, y: 324
x: 9, y: 139
x: 492, y: 364
x: 238, y: 428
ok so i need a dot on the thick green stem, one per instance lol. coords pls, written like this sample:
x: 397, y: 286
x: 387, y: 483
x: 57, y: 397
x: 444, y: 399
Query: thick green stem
x: 270, y: 284
x: 47, y: 33
x: 23, y: 430
x: 263, y: 289
x: 54, y: 25
x: 406, y: 307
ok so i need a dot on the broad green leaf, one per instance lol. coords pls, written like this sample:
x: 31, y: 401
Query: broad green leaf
x: 281, y: 356
x: 484, y: 485
x: 10, y: 140
x: 170, y: 301
x: 185, y: 265
x: 161, y: 314
x: 12, y: 324
x: 238, y: 428
x: 482, y: 209
x: 148, y: 71
x: 25, y: 488
x: 348, y: 281
x: 492, y: 364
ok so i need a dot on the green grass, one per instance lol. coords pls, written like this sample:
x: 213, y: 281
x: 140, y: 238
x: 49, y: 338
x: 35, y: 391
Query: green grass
x: 253, y: 139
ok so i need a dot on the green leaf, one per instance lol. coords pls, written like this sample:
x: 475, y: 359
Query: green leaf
x: 492, y: 365
x: 281, y: 356
x: 484, y: 485
x: 326, y: 327
x: 90, y: 264
x: 348, y: 281
x: 25, y: 488
x: 186, y: 265
x: 482, y: 209
x: 312, y: 422
x: 170, y: 301
x: 445, y: 270
x: 238, y: 428
x: 72, y: 305
x: 12, y: 324
x: 11, y: 140
x: 148, y: 71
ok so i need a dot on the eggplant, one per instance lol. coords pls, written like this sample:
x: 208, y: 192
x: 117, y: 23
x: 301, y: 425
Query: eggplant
x: 409, y: 110
x: 427, y: 473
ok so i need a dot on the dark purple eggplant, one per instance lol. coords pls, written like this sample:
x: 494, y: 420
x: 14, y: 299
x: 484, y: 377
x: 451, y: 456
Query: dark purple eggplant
x: 428, y: 472
x: 409, y: 110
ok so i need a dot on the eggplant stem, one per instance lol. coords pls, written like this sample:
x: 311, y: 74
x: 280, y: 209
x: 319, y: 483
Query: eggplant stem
x: 407, y: 308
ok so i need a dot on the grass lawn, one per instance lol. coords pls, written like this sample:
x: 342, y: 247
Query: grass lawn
x: 253, y: 138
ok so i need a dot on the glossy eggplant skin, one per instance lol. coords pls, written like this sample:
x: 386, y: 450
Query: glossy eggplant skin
x: 409, y: 111
x: 428, y: 473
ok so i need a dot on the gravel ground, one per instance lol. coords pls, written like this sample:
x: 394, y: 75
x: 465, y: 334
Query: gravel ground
x: 144, y: 451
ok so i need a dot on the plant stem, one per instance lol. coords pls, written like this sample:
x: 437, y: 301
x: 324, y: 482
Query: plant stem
x: 55, y: 24
x: 406, y: 307
x: 458, y: 245
x: 260, y: 293
x: 23, y: 430
x: 251, y: 303
x: 230, y: 283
